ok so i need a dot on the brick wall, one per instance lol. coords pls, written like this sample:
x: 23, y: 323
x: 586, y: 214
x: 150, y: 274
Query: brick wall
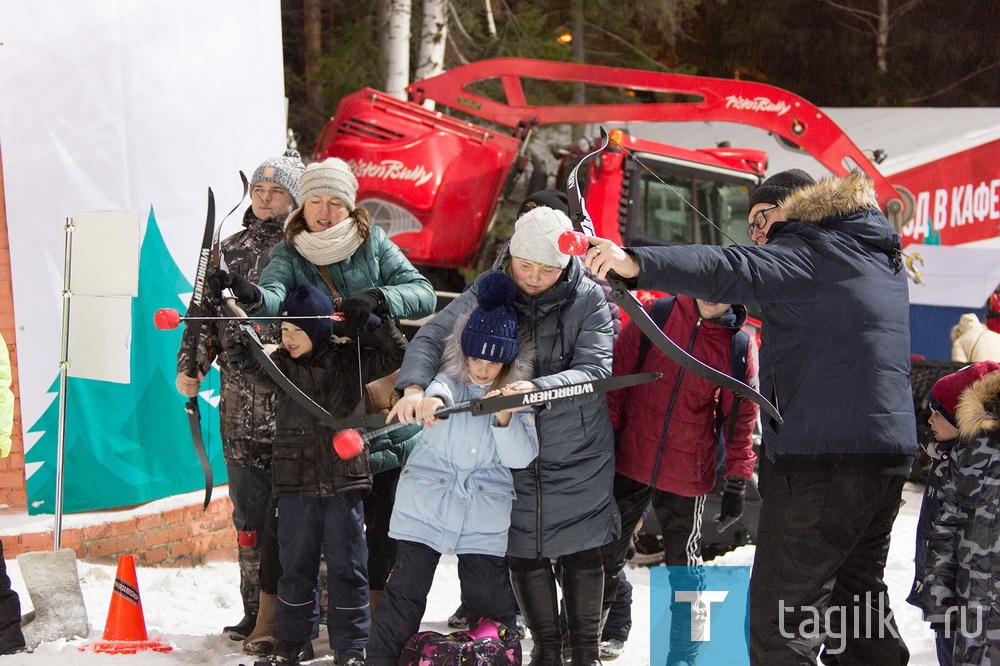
x: 185, y: 536
x: 12, y: 487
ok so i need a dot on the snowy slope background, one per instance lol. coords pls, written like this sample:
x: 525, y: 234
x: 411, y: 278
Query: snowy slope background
x: 188, y: 607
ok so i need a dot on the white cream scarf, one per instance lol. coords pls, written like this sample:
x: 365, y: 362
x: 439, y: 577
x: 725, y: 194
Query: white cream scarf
x: 329, y: 246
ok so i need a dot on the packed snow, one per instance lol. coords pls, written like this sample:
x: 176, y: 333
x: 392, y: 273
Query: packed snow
x: 187, y: 608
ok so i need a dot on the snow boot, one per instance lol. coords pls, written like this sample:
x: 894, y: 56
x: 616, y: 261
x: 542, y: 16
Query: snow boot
x: 242, y: 629
x: 536, y: 595
x: 264, y: 637
x: 583, y: 592
x: 53, y: 584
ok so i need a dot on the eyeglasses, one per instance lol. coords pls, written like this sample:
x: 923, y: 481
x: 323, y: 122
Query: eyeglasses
x: 759, y: 220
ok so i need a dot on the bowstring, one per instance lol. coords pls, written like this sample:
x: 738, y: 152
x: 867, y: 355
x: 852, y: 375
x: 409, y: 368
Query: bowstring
x: 763, y: 333
x: 669, y: 187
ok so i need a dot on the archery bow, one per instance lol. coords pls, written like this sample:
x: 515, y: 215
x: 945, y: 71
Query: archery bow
x: 207, y: 257
x: 197, y: 304
x: 631, y: 306
x: 493, y: 404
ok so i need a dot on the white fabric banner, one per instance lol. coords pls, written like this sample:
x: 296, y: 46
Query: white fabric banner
x: 117, y: 105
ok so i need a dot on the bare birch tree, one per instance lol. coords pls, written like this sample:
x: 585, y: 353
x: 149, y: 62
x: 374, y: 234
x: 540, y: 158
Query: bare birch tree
x: 879, y: 23
x: 397, y: 47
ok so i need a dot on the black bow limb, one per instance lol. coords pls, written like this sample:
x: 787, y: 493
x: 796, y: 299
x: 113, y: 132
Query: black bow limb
x: 627, y: 301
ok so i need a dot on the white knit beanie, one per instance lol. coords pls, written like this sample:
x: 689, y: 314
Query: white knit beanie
x: 332, y: 177
x: 536, y: 236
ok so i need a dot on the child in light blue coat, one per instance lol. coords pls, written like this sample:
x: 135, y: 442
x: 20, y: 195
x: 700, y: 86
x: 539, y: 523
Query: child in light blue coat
x: 456, y: 491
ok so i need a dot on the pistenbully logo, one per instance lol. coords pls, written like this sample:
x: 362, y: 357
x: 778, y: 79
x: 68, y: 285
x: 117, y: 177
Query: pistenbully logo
x: 391, y: 170
x: 778, y: 108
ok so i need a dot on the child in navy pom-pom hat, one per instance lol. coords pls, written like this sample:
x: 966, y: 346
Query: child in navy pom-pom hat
x: 456, y: 491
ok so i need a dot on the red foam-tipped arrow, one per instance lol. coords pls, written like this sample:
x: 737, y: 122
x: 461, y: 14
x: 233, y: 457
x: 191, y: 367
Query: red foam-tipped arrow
x: 166, y: 319
x: 348, y: 444
x: 573, y: 243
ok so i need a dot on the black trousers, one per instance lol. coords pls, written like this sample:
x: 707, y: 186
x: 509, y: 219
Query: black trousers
x: 822, y: 544
x: 378, y: 511
x: 10, y: 612
x: 485, y: 584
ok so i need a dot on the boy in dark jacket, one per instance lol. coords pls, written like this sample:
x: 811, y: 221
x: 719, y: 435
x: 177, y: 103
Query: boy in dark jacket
x: 959, y: 595
x: 319, y: 494
x: 943, y: 400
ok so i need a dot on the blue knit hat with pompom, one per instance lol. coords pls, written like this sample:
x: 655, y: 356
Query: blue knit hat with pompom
x: 491, y: 332
x: 314, y: 307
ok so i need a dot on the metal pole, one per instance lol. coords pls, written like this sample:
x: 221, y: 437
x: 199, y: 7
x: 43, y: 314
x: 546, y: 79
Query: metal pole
x: 63, y: 384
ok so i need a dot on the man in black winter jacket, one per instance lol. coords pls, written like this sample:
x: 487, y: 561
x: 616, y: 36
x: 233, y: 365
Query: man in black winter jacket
x: 835, y: 361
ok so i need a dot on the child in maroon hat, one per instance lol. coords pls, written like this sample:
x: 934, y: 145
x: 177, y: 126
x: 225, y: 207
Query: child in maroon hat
x: 962, y: 488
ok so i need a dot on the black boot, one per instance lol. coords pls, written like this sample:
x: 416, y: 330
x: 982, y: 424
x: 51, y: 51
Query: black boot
x: 241, y: 629
x: 536, y: 595
x: 583, y: 592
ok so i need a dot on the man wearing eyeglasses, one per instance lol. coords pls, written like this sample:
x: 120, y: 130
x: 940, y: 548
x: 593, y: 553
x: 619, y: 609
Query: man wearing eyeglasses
x: 764, y: 201
x: 827, y: 273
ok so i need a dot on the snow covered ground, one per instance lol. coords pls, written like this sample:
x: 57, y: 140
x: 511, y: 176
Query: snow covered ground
x: 188, y: 607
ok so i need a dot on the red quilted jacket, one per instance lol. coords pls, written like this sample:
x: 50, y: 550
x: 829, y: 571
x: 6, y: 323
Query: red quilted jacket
x: 670, y: 427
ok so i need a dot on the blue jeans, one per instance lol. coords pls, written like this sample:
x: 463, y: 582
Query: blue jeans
x: 334, y: 526
x: 485, y: 583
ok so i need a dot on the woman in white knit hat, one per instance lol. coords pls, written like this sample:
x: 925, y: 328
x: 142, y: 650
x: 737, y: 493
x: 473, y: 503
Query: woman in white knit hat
x: 564, y: 507
x: 330, y: 243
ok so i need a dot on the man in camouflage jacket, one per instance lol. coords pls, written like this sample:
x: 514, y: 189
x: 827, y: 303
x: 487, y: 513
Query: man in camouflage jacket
x: 246, y: 412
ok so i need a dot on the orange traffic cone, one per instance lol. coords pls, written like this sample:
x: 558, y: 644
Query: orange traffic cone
x: 125, y: 630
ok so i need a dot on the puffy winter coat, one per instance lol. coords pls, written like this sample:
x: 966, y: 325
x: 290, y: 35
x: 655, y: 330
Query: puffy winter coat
x: 377, y: 263
x: 973, y: 342
x: 304, y: 461
x: 564, y: 499
x: 456, y: 490
x: 836, y: 342
x: 670, y: 427
x: 963, y: 566
x: 246, y: 411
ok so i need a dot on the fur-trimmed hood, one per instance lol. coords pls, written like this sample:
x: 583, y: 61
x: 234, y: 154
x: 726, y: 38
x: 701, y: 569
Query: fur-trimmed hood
x: 845, y: 205
x: 832, y: 197
x: 977, y: 410
x: 453, y: 359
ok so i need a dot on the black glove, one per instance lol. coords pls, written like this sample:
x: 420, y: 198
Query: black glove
x: 237, y: 352
x: 358, y: 312
x: 246, y: 292
x: 733, y: 501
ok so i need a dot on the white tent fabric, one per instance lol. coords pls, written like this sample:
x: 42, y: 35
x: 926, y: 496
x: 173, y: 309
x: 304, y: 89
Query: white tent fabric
x: 115, y: 105
x: 955, y: 276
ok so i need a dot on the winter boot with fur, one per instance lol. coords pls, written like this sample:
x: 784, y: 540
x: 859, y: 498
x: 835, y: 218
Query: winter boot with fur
x: 536, y: 595
x: 264, y: 637
x: 583, y: 591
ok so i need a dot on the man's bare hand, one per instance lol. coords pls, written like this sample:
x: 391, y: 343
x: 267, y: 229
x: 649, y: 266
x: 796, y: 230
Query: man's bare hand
x: 605, y: 256
x: 188, y: 386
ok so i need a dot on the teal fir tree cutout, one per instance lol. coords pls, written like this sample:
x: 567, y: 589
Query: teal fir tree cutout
x: 129, y: 443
